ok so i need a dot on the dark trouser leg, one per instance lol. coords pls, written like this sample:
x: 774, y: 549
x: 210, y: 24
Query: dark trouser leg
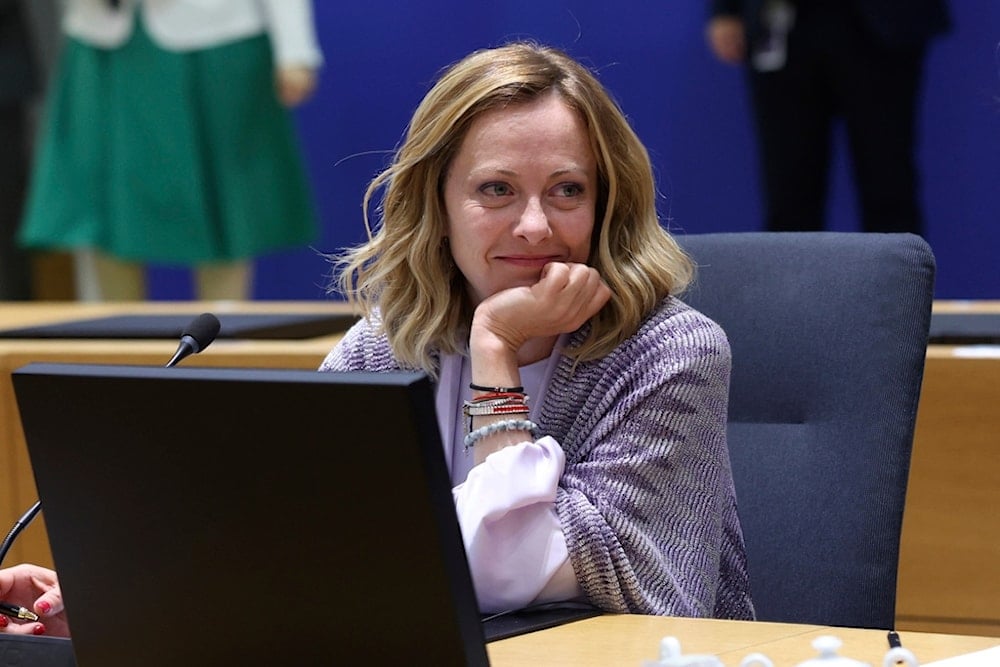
x: 792, y: 112
x: 879, y: 90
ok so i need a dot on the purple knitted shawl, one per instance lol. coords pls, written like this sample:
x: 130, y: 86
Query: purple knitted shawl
x: 646, y: 500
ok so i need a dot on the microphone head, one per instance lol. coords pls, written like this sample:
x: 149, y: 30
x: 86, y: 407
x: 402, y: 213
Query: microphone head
x: 202, y: 330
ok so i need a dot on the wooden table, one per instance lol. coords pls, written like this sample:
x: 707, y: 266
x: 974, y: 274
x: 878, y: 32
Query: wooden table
x: 949, y: 570
x: 629, y: 640
x: 17, y: 489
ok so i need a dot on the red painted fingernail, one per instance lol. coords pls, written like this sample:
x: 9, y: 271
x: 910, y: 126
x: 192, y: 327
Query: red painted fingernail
x: 3, y: 621
x: 44, y: 607
x: 39, y: 629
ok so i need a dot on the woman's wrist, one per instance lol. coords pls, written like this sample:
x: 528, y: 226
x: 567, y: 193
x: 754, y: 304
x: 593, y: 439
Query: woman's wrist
x: 494, y: 363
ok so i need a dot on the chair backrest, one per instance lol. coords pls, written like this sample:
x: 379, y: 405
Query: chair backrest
x: 829, y: 335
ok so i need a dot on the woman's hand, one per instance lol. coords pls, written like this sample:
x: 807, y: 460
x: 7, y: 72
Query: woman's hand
x: 563, y: 299
x: 35, y: 588
x: 519, y: 326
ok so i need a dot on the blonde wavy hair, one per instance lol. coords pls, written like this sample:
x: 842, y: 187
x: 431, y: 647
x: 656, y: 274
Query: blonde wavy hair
x: 405, y: 270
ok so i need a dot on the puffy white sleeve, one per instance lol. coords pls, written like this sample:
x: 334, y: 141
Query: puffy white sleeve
x: 513, y: 539
x: 292, y: 30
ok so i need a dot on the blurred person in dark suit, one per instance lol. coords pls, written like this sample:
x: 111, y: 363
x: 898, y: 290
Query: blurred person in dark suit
x: 810, y: 61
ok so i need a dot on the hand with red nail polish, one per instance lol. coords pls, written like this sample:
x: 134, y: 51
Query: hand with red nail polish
x: 35, y: 588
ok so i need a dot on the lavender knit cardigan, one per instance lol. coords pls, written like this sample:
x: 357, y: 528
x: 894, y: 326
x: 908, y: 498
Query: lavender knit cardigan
x: 646, y: 500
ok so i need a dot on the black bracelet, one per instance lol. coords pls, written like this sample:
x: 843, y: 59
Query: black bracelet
x: 496, y: 390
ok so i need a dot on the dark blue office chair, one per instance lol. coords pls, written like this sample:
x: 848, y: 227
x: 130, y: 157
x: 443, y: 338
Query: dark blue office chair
x: 829, y: 334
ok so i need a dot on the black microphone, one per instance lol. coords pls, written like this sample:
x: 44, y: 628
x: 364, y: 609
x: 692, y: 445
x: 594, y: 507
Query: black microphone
x: 198, y: 335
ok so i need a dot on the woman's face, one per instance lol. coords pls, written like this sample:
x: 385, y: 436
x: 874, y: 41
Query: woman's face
x: 521, y: 192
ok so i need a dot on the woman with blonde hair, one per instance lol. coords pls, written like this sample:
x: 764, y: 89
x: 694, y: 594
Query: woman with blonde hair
x: 516, y: 255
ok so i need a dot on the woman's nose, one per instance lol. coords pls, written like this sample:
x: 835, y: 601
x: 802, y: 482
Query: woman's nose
x: 533, y: 225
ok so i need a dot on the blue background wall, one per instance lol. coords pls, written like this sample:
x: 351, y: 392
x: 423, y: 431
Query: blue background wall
x: 691, y: 111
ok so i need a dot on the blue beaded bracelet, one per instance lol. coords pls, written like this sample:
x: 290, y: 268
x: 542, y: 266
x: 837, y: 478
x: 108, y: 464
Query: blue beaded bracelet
x: 497, y: 427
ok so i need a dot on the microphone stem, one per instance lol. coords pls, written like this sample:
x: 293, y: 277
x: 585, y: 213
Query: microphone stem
x: 19, y: 525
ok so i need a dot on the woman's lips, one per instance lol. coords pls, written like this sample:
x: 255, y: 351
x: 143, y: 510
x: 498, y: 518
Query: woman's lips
x: 528, y: 260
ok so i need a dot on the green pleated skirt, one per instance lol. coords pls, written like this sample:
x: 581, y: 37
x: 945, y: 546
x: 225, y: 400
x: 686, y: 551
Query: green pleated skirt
x: 164, y: 157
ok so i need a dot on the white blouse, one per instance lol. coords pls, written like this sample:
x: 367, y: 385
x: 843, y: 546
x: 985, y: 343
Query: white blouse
x: 506, y: 505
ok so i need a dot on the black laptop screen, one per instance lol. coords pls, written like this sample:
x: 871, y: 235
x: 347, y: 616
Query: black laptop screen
x: 234, y: 516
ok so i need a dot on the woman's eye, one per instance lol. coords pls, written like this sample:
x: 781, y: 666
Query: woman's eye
x: 569, y: 190
x: 496, y: 189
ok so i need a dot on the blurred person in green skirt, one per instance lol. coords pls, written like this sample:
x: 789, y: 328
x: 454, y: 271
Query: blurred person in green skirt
x: 167, y: 140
